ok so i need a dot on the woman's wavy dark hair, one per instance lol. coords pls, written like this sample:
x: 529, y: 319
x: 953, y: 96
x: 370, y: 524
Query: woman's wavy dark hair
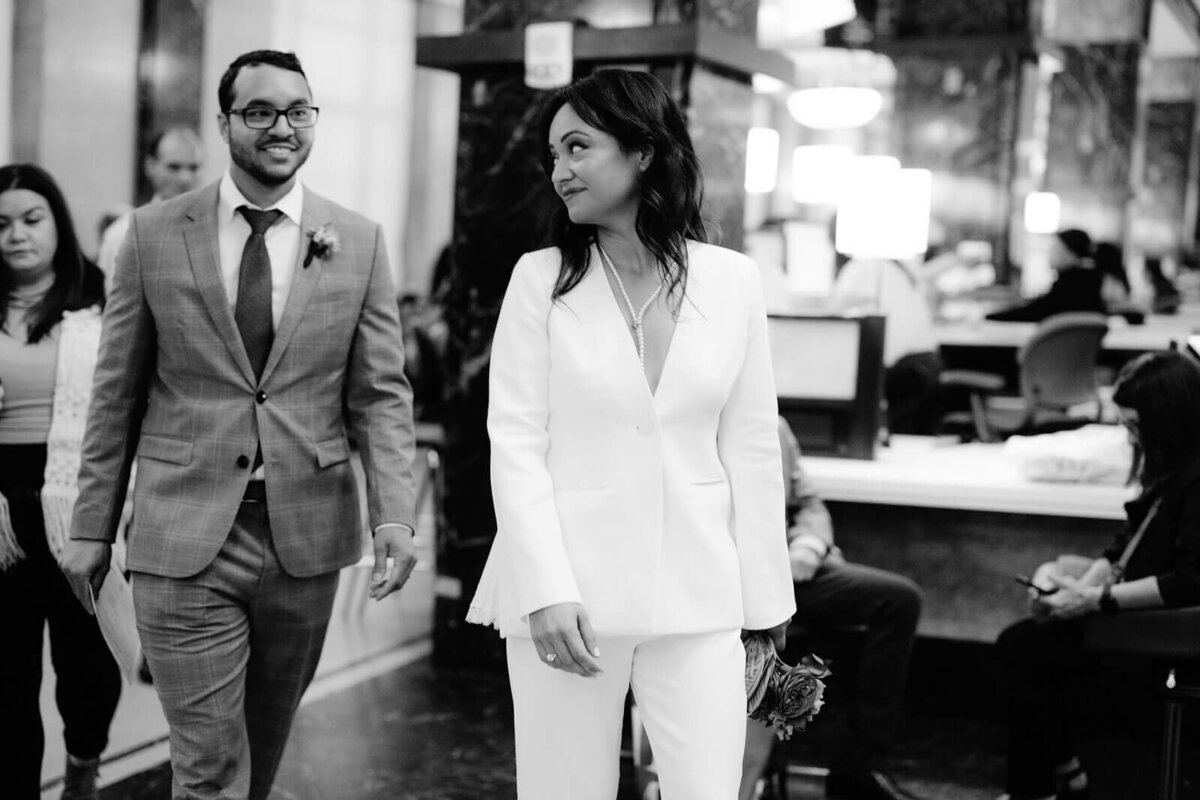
x: 1163, y: 387
x: 78, y: 282
x: 636, y: 110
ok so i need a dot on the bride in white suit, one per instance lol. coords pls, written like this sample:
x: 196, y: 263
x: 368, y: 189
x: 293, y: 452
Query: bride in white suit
x: 635, y: 462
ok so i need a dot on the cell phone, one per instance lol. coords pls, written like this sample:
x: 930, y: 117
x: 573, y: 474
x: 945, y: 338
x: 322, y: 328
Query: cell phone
x: 1025, y: 581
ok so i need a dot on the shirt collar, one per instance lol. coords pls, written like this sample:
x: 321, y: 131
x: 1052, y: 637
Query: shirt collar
x: 229, y: 198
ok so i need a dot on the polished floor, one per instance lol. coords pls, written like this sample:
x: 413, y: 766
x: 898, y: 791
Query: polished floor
x: 420, y: 732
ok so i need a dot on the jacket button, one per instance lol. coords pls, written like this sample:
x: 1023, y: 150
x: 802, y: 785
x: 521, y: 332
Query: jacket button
x: 243, y: 461
x: 261, y: 397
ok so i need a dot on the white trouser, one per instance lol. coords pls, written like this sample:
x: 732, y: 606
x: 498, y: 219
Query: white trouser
x: 690, y: 689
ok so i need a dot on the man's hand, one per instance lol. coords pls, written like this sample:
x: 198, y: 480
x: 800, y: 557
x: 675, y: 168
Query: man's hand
x: 394, y: 542
x: 565, y: 640
x: 805, y: 563
x: 85, y: 563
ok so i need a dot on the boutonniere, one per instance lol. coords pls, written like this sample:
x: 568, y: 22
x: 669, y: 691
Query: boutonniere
x: 322, y: 243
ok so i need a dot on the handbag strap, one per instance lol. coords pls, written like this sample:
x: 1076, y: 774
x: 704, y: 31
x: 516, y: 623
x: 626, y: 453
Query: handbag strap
x: 1118, y: 570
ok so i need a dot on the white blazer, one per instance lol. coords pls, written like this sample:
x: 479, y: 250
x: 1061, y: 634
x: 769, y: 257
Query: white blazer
x: 661, y: 513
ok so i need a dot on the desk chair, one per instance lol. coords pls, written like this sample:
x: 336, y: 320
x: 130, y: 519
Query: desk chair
x: 1057, y: 372
x: 1170, y: 636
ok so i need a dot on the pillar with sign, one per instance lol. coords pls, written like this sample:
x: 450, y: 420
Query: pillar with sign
x: 514, y: 51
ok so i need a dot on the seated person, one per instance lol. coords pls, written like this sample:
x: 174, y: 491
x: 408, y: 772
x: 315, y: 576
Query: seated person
x: 1114, y: 283
x: 832, y: 592
x: 1153, y: 563
x: 1077, y: 286
x: 911, y: 386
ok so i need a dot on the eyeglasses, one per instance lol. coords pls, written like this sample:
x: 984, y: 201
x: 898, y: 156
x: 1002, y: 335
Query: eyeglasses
x: 263, y: 117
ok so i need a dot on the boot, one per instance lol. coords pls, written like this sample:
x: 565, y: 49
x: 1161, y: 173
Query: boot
x: 79, y: 782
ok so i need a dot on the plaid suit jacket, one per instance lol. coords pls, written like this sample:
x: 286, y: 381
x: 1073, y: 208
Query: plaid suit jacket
x: 174, y: 388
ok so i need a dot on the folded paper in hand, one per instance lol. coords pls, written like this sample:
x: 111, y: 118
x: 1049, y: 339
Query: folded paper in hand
x: 114, y: 613
x: 1091, y: 454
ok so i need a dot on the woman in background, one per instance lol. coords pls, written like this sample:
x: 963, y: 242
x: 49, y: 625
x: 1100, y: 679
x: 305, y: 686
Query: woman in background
x: 1076, y: 286
x: 635, y: 462
x: 50, y: 301
x: 1153, y: 563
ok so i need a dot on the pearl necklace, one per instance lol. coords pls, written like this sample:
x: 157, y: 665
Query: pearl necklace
x: 638, y: 317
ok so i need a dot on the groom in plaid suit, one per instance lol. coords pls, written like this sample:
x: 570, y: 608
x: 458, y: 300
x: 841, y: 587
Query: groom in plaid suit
x: 252, y: 327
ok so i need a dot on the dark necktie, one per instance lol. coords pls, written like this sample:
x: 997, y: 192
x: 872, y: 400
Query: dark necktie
x: 253, y: 309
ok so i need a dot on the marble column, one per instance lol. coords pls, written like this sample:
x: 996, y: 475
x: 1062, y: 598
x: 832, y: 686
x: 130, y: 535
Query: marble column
x: 170, y: 71
x: 73, y: 99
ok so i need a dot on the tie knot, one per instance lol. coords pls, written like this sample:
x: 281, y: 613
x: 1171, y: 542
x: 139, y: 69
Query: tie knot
x: 260, y: 220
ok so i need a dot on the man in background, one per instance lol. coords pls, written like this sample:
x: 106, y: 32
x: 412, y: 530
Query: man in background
x: 833, y: 593
x: 172, y: 164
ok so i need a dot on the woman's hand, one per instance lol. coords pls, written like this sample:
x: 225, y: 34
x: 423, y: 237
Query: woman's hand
x: 1073, y: 598
x: 565, y: 640
x: 778, y: 634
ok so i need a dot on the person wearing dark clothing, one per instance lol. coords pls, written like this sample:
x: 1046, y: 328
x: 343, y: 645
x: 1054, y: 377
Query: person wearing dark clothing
x: 1153, y: 563
x: 834, y: 593
x: 51, y: 298
x: 1076, y: 288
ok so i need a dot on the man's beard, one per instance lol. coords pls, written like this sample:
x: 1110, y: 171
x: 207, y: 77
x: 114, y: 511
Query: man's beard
x: 244, y: 158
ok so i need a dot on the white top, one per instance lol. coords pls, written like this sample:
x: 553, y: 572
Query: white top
x: 27, y: 376
x: 110, y: 245
x: 111, y: 241
x: 283, y: 241
x: 885, y: 286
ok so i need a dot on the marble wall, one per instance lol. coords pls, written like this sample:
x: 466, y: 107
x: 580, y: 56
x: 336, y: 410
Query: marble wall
x: 74, y: 100
x: 733, y: 15
x: 1092, y: 123
x: 6, y: 36
x: 719, y: 111
x: 954, y: 114
x: 170, y: 67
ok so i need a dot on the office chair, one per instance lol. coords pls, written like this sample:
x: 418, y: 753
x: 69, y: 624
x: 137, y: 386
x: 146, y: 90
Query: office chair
x: 1171, y: 637
x: 1057, y: 372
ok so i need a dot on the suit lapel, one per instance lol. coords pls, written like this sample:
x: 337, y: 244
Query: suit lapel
x: 200, y: 237
x: 316, y: 213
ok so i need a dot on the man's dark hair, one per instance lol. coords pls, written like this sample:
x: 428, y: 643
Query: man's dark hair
x: 271, y: 58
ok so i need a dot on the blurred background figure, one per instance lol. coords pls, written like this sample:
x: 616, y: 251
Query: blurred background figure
x: 50, y: 301
x: 1077, y: 285
x: 172, y: 164
x: 910, y: 349
x: 1153, y: 563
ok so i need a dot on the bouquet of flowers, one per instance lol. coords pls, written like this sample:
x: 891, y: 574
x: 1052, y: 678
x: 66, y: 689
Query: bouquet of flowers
x: 784, y: 697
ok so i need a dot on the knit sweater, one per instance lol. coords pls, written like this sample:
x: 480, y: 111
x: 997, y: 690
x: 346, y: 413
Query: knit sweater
x: 78, y: 347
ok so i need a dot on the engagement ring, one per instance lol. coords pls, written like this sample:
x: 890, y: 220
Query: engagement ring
x: 550, y: 657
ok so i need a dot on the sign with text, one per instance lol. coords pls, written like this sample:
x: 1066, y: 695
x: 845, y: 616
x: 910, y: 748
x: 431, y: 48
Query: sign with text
x: 549, y: 54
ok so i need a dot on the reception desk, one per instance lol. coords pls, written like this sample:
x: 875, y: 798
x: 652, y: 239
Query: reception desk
x: 961, y: 520
x: 1122, y: 339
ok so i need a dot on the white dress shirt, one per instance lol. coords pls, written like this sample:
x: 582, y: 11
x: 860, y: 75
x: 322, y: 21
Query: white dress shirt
x: 283, y: 241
